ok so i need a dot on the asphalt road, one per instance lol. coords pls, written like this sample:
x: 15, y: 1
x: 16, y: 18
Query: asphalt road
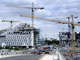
x: 24, y: 57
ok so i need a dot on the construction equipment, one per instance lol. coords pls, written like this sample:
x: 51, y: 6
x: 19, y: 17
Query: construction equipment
x: 32, y: 9
x: 62, y: 22
x: 11, y: 22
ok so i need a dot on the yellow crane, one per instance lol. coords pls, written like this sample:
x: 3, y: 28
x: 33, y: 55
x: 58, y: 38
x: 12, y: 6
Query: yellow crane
x: 32, y: 9
x: 62, y: 22
x: 11, y: 22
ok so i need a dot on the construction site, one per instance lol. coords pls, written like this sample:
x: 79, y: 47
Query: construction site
x: 26, y: 35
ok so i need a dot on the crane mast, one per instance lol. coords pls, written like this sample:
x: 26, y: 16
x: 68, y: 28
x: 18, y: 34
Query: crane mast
x: 32, y: 14
x: 63, y: 22
x: 73, y: 33
x: 11, y: 22
x: 32, y: 10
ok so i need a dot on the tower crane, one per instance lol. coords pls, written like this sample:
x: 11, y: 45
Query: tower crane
x: 62, y: 22
x: 32, y: 9
x: 11, y: 22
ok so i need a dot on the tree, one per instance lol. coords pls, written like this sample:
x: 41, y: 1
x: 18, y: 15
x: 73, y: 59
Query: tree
x: 50, y: 42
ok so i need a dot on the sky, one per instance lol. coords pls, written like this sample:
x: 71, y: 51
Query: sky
x: 53, y: 9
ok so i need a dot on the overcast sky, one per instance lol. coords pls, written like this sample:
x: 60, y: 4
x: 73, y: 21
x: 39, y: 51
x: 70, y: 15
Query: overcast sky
x: 55, y: 9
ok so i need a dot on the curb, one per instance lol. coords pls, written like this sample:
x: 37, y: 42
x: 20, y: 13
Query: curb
x: 5, y: 56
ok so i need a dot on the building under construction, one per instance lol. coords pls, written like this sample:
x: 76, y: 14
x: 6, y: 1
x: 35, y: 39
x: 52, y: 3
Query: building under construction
x: 21, y: 36
x: 65, y: 39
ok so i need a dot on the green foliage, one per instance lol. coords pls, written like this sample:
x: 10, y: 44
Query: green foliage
x: 8, y: 47
x: 16, y: 48
x: 50, y: 42
x: 1, y: 47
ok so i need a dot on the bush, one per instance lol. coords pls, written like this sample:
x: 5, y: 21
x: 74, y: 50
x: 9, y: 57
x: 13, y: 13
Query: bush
x: 8, y: 47
x: 1, y: 47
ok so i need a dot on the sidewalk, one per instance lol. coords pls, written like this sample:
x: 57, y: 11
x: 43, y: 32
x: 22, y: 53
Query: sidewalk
x: 56, y: 56
x: 49, y: 57
x: 5, y: 56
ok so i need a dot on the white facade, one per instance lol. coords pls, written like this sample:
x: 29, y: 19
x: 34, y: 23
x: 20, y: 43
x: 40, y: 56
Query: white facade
x: 18, y: 40
x: 24, y: 36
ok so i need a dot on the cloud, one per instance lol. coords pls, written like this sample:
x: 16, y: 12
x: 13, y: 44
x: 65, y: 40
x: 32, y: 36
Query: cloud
x: 53, y: 9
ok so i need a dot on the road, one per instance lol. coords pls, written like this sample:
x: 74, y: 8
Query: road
x: 24, y: 57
